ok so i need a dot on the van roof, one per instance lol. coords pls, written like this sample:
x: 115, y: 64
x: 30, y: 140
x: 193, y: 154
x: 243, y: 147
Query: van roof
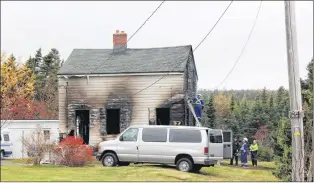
x: 168, y: 126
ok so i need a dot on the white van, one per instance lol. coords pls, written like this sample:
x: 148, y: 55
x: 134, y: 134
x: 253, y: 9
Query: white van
x: 189, y: 148
x: 6, y: 145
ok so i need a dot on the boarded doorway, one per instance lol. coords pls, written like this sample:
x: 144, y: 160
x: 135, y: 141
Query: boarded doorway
x: 163, y: 116
x: 113, y: 121
x: 83, y: 116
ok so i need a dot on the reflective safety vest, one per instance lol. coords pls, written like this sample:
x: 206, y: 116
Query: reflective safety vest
x: 198, y: 101
x: 254, y: 147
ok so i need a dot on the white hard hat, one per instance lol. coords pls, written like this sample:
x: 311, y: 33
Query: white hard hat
x: 199, y: 94
x: 245, y: 139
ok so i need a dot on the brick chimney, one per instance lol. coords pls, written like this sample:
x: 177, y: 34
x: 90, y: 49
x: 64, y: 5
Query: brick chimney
x: 119, y: 41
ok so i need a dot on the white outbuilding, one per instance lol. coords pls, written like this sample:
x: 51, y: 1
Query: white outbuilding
x: 17, y: 129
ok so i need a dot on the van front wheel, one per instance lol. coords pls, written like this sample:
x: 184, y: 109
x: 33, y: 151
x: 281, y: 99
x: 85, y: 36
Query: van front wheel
x: 109, y: 159
x: 1, y: 154
x: 185, y: 165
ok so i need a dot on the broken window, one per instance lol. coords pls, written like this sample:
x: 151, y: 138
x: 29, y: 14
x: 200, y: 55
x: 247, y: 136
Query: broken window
x: 113, y: 121
x: 163, y: 116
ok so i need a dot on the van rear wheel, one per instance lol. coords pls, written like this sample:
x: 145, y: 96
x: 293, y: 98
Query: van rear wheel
x: 109, y: 159
x: 185, y: 165
x: 2, y: 155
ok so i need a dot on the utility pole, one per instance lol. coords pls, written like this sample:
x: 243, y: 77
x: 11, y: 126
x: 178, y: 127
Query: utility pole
x: 313, y: 122
x: 296, y: 114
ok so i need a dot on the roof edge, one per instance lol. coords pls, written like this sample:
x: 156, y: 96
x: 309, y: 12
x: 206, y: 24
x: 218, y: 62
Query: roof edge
x: 123, y: 73
x: 133, y: 48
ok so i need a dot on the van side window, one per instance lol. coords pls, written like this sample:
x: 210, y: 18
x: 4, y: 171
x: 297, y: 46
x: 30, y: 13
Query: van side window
x: 6, y: 137
x: 215, y: 137
x: 130, y: 135
x: 185, y: 136
x: 154, y: 135
x: 1, y: 138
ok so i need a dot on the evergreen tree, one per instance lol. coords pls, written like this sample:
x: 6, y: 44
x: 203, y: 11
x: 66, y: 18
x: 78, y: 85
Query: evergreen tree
x: 232, y: 104
x: 284, y: 160
x: 49, y: 81
x: 30, y: 63
x: 210, y: 112
x: 309, y: 69
x: 264, y: 97
x: 244, y: 118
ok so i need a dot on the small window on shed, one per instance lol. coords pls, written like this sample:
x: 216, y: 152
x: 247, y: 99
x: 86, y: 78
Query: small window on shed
x: 47, y: 134
x: 154, y: 135
x: 185, y: 136
x: 6, y: 137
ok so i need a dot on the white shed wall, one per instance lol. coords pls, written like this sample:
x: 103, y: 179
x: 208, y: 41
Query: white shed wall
x: 17, y: 128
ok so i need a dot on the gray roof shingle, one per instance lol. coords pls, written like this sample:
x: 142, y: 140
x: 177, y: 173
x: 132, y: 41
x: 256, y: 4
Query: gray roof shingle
x: 89, y: 61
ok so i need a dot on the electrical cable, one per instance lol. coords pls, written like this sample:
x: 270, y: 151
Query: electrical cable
x: 242, y: 51
x: 189, y: 54
x: 103, y: 63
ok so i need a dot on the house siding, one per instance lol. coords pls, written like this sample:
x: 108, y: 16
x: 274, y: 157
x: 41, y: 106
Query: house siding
x: 99, y: 93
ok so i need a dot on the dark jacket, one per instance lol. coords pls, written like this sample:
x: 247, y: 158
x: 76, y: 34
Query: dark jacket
x: 236, y: 147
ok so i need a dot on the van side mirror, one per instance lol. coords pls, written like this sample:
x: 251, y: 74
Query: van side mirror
x: 121, y: 138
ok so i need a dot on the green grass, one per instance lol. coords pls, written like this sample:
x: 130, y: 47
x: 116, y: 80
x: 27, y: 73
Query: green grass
x: 263, y: 164
x: 131, y: 173
x: 20, y: 161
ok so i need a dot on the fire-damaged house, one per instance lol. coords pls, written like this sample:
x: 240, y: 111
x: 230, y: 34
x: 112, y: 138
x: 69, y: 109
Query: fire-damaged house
x: 103, y: 91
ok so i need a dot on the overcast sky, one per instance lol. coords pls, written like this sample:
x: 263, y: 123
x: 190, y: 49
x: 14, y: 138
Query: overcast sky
x: 65, y: 25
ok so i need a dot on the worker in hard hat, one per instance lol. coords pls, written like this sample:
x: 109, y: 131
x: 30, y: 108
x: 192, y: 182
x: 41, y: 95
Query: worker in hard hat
x: 244, y: 152
x: 198, y: 106
x: 254, y: 149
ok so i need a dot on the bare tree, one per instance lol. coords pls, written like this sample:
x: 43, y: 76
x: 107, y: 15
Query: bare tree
x: 37, y: 145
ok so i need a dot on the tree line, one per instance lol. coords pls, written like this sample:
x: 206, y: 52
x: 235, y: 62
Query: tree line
x: 30, y: 90
x: 263, y: 115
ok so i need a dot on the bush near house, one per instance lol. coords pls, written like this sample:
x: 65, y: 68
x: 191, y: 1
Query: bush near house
x: 72, y: 152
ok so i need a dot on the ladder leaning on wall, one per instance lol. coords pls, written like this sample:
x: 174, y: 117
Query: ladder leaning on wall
x: 189, y: 102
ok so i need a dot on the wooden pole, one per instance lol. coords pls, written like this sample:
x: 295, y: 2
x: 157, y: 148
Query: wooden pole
x: 313, y: 122
x: 296, y: 113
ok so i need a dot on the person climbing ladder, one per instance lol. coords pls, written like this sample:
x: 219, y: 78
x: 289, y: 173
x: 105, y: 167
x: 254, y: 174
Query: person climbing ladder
x: 198, y: 106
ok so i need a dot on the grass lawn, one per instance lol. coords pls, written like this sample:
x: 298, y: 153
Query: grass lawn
x: 132, y: 173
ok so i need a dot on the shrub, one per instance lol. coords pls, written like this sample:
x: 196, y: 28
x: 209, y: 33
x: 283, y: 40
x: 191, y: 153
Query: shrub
x: 72, y: 152
x: 265, y: 154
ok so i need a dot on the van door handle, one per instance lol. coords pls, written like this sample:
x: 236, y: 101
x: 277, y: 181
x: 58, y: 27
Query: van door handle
x: 136, y: 147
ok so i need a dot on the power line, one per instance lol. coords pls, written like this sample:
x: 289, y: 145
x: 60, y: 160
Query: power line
x: 260, y: 5
x: 189, y: 54
x: 131, y: 35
